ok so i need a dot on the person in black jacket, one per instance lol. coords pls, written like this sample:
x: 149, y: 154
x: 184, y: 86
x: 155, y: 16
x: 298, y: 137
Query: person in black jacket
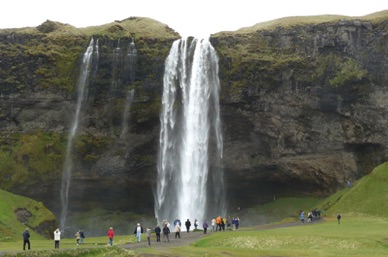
x: 157, y: 232
x: 188, y: 225
x: 166, y: 232
x: 26, y: 239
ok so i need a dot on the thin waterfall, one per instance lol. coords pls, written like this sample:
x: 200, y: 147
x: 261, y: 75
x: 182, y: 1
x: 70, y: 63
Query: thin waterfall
x: 83, y: 80
x: 130, y: 66
x: 127, y: 109
x: 114, y: 87
x: 190, y: 135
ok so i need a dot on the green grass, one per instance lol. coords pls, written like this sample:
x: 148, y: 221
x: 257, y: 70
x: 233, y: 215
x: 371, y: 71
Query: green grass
x: 10, y: 228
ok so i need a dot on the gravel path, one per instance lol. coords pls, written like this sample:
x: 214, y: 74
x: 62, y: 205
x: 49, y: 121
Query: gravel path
x: 186, y: 239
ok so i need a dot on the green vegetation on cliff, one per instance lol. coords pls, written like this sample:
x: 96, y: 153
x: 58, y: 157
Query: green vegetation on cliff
x: 24, y: 158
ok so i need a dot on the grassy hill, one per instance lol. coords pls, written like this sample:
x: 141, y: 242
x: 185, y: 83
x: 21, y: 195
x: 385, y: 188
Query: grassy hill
x: 18, y: 212
x: 368, y: 196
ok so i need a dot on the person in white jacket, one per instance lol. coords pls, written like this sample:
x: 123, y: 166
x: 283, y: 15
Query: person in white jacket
x: 57, y: 238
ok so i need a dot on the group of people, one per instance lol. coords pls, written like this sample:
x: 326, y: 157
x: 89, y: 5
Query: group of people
x: 311, y: 216
x: 219, y: 223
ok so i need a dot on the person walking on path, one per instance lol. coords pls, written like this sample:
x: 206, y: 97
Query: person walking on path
x: 138, y: 232
x: 218, y: 223
x: 177, y: 231
x: 166, y: 232
x: 26, y: 239
x: 78, y: 236
x: 57, y: 238
x: 157, y: 232
x: 196, y: 224
x: 82, y: 236
x: 205, y: 226
x: 302, y: 217
x: 237, y: 222
x: 188, y: 225
x: 111, y: 234
x: 339, y: 218
x: 213, y: 224
x: 148, y: 233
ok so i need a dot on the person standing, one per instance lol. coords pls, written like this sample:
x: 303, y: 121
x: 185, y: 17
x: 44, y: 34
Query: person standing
x: 82, y: 236
x: 138, y: 231
x: 205, y: 226
x: 26, y: 239
x: 195, y: 224
x: 302, y: 217
x: 237, y: 222
x: 111, y: 234
x: 78, y: 236
x: 166, y: 231
x: 148, y: 233
x: 157, y: 232
x: 57, y: 238
x: 339, y: 218
x: 218, y: 223
x: 177, y: 231
x: 188, y: 225
x: 213, y: 224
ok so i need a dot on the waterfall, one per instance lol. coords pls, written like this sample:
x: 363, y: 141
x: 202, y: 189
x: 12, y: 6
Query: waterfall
x: 127, y: 109
x: 190, y: 135
x: 114, y: 87
x: 68, y: 164
x: 130, y: 68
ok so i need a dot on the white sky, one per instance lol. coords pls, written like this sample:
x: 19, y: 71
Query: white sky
x: 189, y: 18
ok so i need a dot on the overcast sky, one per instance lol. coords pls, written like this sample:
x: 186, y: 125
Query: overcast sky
x: 189, y: 18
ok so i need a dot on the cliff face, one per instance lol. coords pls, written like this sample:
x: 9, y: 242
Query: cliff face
x: 303, y: 108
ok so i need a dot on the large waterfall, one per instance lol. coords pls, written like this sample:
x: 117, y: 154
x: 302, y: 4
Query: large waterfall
x: 190, y: 177
x: 81, y: 95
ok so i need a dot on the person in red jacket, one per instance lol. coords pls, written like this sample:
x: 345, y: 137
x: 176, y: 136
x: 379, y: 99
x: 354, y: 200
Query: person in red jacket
x: 111, y: 234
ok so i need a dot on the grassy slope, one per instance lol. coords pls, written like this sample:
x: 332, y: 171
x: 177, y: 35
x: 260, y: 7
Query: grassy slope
x: 10, y: 228
x: 368, y: 196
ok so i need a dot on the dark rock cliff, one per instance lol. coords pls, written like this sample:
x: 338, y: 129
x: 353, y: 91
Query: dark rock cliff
x: 303, y: 108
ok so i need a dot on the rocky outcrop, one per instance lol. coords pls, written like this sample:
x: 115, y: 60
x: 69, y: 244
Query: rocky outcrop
x: 303, y: 110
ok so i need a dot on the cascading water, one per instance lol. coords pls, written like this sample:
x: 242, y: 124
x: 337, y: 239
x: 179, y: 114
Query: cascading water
x: 68, y: 164
x: 130, y: 66
x: 190, y: 135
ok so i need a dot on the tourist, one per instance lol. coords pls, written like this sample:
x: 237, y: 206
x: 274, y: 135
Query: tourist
x: 57, y: 238
x: 205, y: 226
x: 138, y: 231
x: 309, y: 217
x: 78, y: 236
x: 166, y: 232
x: 177, y: 231
x: 213, y: 224
x: 218, y: 223
x: 26, y: 239
x: 195, y: 224
x: 111, y: 234
x: 157, y: 232
x: 177, y: 221
x: 188, y: 225
x: 82, y: 236
x: 237, y: 222
x: 223, y: 224
x: 302, y: 217
x: 339, y: 218
x: 148, y: 233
